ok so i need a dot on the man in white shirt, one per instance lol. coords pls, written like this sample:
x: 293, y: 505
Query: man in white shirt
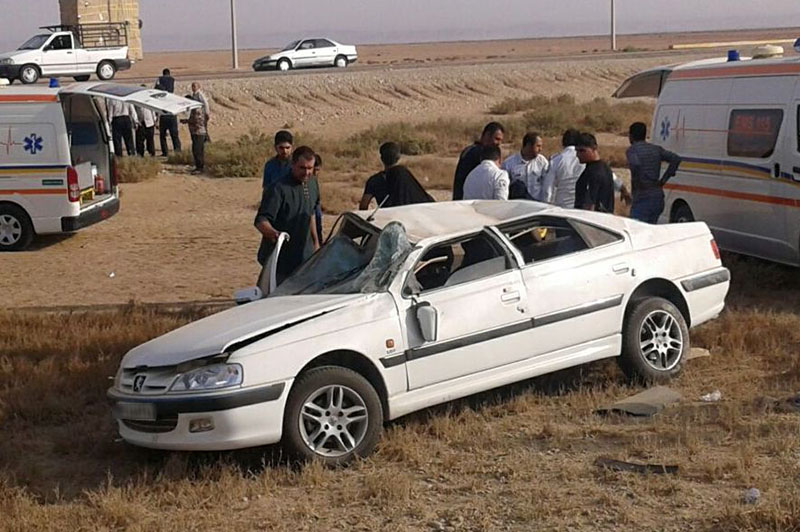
x: 122, y: 116
x: 145, y: 131
x: 527, y: 167
x: 558, y: 185
x: 487, y: 181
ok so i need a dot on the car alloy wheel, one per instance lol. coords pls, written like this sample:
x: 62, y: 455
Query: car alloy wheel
x: 334, y: 421
x: 333, y: 414
x: 29, y: 74
x: 655, y: 339
x: 106, y: 70
x: 10, y: 230
x: 284, y: 65
x: 661, y: 340
x: 341, y: 62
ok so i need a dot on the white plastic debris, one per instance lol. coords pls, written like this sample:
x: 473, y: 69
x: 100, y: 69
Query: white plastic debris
x: 112, y: 275
x: 712, y: 397
x: 751, y: 496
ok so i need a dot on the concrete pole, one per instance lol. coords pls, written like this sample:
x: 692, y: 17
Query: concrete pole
x: 234, y: 46
x: 613, y: 28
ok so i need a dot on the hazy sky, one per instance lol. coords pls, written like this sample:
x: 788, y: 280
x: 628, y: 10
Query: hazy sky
x: 205, y: 24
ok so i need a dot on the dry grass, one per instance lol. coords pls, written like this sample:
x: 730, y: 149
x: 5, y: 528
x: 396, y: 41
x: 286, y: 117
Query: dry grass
x: 517, y: 458
x: 137, y: 169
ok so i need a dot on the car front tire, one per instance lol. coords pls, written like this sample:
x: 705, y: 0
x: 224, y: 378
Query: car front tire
x: 682, y: 214
x: 333, y: 415
x: 85, y: 77
x: 29, y: 74
x: 655, y: 341
x: 106, y: 70
x: 16, y: 229
x: 284, y: 65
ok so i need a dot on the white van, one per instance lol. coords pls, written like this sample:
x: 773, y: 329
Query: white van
x: 736, y: 124
x: 57, y: 173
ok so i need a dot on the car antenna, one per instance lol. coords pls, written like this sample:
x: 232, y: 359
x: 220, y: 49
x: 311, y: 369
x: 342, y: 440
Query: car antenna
x: 372, y: 216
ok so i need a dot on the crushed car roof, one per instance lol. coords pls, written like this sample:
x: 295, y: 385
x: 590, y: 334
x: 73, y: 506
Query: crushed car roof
x: 425, y: 220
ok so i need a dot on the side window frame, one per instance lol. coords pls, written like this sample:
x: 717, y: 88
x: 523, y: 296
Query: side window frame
x: 323, y: 43
x: 312, y: 47
x: 512, y: 261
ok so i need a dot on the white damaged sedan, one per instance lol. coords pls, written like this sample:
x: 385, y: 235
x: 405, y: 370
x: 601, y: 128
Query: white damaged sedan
x: 418, y: 305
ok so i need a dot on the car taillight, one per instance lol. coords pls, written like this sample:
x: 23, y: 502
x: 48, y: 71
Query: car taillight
x: 114, y: 173
x: 714, y: 248
x: 73, y: 189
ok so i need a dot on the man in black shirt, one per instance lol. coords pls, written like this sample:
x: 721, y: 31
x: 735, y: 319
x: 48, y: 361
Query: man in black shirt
x: 288, y: 207
x: 168, y: 123
x: 470, y: 157
x: 396, y: 185
x: 594, y: 190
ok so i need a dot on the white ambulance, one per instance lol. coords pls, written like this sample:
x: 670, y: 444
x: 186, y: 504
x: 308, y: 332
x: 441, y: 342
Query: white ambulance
x: 736, y: 124
x: 57, y: 171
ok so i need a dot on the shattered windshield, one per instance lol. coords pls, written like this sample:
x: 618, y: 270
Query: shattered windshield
x: 354, y: 261
x: 35, y: 42
x: 291, y: 46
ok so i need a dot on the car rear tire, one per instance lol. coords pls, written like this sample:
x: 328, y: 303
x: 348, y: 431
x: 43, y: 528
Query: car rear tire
x: 340, y: 61
x: 284, y: 65
x: 333, y: 415
x: 682, y: 213
x: 29, y: 74
x: 16, y: 229
x: 106, y: 70
x: 82, y: 78
x: 655, y: 340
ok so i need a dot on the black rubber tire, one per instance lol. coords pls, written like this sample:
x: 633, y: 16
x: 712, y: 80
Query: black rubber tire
x: 308, y: 383
x: 682, y: 214
x: 632, y: 360
x: 285, y: 61
x: 35, y: 78
x: 336, y: 61
x: 85, y: 77
x: 25, y: 224
x: 100, y: 68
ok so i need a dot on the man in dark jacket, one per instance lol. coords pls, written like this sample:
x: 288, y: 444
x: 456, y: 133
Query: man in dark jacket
x: 395, y: 185
x: 288, y: 206
x: 470, y: 157
x: 168, y: 123
x: 594, y: 190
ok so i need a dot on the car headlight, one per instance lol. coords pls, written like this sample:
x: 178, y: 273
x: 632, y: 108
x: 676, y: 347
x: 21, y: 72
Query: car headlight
x: 211, y: 377
x: 6, y: 61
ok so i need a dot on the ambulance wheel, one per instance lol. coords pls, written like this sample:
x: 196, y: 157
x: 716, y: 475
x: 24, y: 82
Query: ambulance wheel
x: 681, y: 213
x: 106, y: 70
x: 16, y: 229
x: 29, y: 74
x: 82, y: 78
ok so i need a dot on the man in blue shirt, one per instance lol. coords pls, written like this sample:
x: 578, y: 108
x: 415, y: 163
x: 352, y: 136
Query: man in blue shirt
x: 279, y: 166
x: 644, y: 160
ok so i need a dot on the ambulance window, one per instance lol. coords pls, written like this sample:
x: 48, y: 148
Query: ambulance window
x: 753, y: 132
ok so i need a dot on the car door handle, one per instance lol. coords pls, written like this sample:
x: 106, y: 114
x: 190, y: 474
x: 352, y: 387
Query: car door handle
x: 776, y: 170
x: 510, y: 297
x: 620, y: 268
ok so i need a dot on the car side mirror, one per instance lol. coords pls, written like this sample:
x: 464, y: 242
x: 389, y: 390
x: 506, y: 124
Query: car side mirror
x: 248, y: 295
x: 428, y: 320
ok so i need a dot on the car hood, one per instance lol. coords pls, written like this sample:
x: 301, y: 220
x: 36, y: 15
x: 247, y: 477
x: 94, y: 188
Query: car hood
x: 215, y: 334
x: 6, y: 55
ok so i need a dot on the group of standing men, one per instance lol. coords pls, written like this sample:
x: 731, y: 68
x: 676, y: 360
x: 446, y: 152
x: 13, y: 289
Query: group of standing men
x: 133, y: 127
x: 577, y: 177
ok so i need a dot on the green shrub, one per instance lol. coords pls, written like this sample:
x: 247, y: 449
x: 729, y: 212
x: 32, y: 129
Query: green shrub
x: 136, y: 169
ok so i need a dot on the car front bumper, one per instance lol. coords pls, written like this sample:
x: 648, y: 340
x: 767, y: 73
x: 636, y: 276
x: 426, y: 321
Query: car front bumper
x: 233, y: 420
x: 10, y: 72
x: 268, y: 64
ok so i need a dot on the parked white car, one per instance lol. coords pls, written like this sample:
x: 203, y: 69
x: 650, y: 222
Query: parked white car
x: 413, y: 306
x: 61, y: 53
x: 309, y: 53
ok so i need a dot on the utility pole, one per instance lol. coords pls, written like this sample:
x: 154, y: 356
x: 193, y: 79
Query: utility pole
x: 613, y: 28
x: 233, y: 36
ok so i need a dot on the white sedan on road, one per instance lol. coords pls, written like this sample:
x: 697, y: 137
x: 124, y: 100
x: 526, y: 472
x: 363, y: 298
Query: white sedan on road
x: 414, y: 306
x: 309, y: 53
